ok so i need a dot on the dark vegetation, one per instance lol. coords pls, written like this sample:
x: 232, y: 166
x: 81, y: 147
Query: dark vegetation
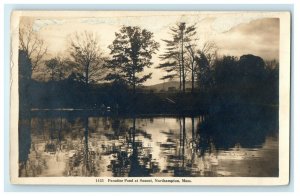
x: 89, y: 80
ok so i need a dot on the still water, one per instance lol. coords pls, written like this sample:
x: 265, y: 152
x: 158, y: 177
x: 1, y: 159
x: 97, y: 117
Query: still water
x: 157, y: 146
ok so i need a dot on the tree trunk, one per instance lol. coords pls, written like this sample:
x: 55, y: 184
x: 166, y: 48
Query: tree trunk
x: 133, y: 77
x: 52, y: 75
x: 193, y: 77
x: 183, y: 140
x: 134, y: 87
x: 87, y: 74
x: 182, y: 61
x: 86, y: 144
x: 180, y: 80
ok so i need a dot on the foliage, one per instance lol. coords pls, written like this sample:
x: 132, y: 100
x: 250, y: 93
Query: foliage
x: 131, y: 52
x: 180, y: 54
x: 58, y: 68
x: 244, y: 80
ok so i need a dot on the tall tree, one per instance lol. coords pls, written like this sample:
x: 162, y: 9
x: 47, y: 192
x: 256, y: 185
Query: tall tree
x: 87, y: 56
x: 177, y: 48
x: 131, y: 52
x: 32, y: 45
x: 172, y: 61
x: 191, y: 48
x: 25, y: 73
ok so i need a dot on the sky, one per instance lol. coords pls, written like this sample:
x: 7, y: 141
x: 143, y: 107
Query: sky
x: 234, y: 33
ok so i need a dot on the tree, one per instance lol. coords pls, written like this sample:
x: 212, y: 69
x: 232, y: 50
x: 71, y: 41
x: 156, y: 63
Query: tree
x: 204, y: 71
x: 243, y: 80
x: 32, y: 45
x: 252, y: 76
x: 57, y: 67
x: 87, y: 57
x: 226, y: 74
x: 176, y: 54
x: 172, y: 64
x: 25, y: 73
x: 31, y: 53
x: 205, y: 60
x: 210, y: 50
x: 272, y: 89
x: 192, y: 58
x: 131, y: 52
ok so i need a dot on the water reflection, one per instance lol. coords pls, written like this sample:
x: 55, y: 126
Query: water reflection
x: 159, y: 146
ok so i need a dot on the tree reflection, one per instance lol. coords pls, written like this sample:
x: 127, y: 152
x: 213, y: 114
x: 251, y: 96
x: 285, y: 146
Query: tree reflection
x: 105, y: 146
x: 24, y: 145
x: 180, y: 169
x: 82, y: 162
x: 51, y: 135
x: 181, y: 158
x: 132, y: 158
x: 89, y: 155
x: 246, y: 127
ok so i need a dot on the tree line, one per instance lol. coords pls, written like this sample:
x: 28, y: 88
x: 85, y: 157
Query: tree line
x: 131, y: 52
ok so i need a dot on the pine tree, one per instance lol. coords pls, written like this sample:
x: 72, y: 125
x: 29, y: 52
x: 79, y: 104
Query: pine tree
x: 177, y: 52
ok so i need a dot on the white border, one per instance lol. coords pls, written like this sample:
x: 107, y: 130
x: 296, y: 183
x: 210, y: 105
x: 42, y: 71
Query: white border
x: 284, y: 117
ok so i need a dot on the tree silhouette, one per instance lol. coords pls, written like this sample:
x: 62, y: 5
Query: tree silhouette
x: 272, y: 92
x: 131, y: 52
x: 204, y: 72
x: 57, y: 67
x: 172, y: 64
x: 32, y: 45
x: 241, y: 80
x: 225, y: 74
x: 252, y: 77
x: 205, y: 60
x: 25, y: 73
x: 191, y: 48
x: 86, y: 56
x: 178, y: 49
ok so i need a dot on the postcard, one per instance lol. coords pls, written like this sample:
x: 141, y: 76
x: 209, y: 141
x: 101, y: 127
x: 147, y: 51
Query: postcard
x: 150, y: 97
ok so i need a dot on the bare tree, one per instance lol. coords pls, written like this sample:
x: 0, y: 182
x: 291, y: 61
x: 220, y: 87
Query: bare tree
x: 191, y: 48
x: 32, y: 45
x: 87, y: 56
x: 210, y: 50
x: 205, y: 64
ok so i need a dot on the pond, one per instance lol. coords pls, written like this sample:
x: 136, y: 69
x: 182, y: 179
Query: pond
x: 155, y: 146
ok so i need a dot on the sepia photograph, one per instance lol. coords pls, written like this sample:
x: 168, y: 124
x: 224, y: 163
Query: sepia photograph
x: 150, y: 97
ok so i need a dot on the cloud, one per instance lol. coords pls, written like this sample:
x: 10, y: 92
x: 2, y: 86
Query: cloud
x: 41, y: 23
x: 235, y: 34
x: 259, y: 37
x: 154, y: 23
x: 227, y: 22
